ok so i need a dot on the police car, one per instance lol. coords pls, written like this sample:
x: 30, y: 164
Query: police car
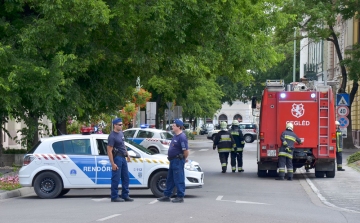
x: 156, y: 140
x: 57, y: 164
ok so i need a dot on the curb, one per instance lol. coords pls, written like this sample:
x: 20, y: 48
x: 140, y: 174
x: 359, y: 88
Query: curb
x: 16, y: 193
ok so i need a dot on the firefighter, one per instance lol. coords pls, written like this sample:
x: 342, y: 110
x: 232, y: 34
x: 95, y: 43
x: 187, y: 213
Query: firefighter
x: 339, y: 145
x: 288, y: 138
x: 225, y: 143
x: 237, y: 152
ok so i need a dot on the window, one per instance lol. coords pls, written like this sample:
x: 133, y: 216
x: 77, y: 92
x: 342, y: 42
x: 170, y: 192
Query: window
x: 167, y: 135
x: 102, y: 146
x: 129, y: 133
x: 75, y: 146
x: 143, y: 134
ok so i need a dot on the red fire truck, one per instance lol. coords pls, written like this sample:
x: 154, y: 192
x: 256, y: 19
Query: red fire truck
x: 311, y: 110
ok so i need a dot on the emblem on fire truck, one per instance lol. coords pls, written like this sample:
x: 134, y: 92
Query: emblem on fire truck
x: 297, y: 110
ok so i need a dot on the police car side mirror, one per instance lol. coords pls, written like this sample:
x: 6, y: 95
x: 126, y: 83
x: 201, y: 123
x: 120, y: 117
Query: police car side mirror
x: 133, y: 154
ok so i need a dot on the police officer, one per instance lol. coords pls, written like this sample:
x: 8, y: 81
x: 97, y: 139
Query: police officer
x: 118, y: 157
x: 225, y: 144
x: 288, y: 138
x: 177, y: 155
x: 237, y: 153
x: 339, y: 145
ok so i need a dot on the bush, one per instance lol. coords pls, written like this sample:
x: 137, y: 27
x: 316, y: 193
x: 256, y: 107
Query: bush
x: 354, y: 157
x: 14, y: 151
x: 189, y: 135
x: 9, y: 183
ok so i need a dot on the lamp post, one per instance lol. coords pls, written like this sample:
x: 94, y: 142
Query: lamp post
x: 138, y: 86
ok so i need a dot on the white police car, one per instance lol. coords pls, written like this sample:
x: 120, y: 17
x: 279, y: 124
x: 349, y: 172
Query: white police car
x: 57, y: 164
x: 156, y: 140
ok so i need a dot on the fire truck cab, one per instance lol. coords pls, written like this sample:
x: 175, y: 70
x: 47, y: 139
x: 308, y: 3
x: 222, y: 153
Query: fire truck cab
x: 311, y: 110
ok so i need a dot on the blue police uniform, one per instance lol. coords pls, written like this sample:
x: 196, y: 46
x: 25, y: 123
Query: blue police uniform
x: 176, y: 175
x: 116, y: 140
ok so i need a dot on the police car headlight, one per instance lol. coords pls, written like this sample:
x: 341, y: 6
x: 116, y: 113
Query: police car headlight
x: 192, y: 167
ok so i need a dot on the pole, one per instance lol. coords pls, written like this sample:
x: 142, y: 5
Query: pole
x: 294, y: 65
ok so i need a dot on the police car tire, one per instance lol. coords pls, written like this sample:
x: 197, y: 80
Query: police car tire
x: 63, y: 192
x: 248, y: 138
x: 153, y: 149
x: 53, y: 183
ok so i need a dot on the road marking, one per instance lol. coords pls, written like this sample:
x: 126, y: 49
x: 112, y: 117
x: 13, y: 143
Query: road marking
x: 219, y: 198
x: 106, y: 218
x: 202, y: 150
x: 153, y: 202
x: 321, y: 197
x: 100, y: 199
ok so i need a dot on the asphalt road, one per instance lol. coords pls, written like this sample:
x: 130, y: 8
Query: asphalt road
x: 229, y: 197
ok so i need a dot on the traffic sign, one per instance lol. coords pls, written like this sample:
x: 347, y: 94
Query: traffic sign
x: 343, y: 132
x: 344, y: 121
x: 342, y: 99
x: 342, y: 110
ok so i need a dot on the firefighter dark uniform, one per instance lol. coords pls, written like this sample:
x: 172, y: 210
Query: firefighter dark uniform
x: 237, y: 153
x: 339, y: 149
x: 225, y: 144
x: 288, y: 138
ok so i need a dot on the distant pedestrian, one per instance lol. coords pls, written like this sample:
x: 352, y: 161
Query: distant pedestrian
x: 225, y: 144
x: 237, y: 152
x: 177, y: 155
x: 339, y: 147
x: 118, y: 157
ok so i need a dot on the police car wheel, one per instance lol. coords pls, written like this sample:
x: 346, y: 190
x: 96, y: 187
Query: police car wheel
x: 158, y: 183
x: 154, y: 150
x: 63, y: 192
x: 48, y: 185
x: 248, y: 139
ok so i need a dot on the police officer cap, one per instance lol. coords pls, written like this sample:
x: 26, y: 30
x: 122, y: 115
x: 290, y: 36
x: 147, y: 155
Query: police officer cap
x: 116, y: 121
x: 179, y: 122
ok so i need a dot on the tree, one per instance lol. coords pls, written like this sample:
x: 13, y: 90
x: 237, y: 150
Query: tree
x: 318, y: 19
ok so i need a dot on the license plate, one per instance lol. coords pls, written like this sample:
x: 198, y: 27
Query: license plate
x: 271, y: 153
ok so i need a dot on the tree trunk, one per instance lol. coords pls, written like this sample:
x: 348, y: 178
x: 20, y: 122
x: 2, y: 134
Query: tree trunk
x: 61, y: 127
x: 34, y: 121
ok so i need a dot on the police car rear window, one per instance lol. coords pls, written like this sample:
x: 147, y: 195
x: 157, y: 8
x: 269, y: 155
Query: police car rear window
x: 32, y: 150
x: 167, y: 135
x: 75, y: 146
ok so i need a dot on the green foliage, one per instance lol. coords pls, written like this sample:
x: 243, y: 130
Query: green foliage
x: 189, y: 135
x: 353, y: 157
x: 14, y: 151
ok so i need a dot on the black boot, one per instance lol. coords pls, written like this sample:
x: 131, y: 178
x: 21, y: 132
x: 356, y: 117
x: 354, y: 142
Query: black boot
x: 223, y: 169
x: 289, y: 178
x: 340, y: 169
x: 279, y: 178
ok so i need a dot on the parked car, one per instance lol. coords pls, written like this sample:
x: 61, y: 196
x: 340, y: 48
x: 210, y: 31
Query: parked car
x: 206, y: 128
x: 155, y: 140
x: 249, y: 131
x: 57, y: 164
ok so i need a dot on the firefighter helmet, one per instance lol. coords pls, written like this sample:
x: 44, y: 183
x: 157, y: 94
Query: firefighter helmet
x: 223, y: 125
x: 337, y: 123
x: 290, y: 126
x: 235, y: 122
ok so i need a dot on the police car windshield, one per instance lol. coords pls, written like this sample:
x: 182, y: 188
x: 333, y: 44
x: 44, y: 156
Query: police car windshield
x: 139, y: 147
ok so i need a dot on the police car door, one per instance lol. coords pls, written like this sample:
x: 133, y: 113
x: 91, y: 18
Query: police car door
x: 103, y: 165
x: 79, y: 168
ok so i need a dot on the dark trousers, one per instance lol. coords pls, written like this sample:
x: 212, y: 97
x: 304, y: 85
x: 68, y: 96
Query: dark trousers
x: 123, y: 173
x: 289, y: 165
x: 175, y: 178
x: 339, y: 159
x: 236, y: 156
x: 224, y: 156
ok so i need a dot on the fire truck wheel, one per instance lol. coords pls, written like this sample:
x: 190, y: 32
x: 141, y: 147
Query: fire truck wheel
x: 261, y: 173
x: 330, y: 174
x: 319, y: 174
x: 248, y: 138
x: 272, y: 173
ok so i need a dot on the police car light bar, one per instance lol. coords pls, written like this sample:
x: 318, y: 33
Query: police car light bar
x: 144, y: 126
x: 86, y: 130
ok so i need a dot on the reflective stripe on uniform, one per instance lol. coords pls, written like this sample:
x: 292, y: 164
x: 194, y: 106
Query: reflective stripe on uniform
x: 221, y: 150
x: 289, y: 137
x: 285, y: 154
x: 281, y: 169
x: 223, y: 164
